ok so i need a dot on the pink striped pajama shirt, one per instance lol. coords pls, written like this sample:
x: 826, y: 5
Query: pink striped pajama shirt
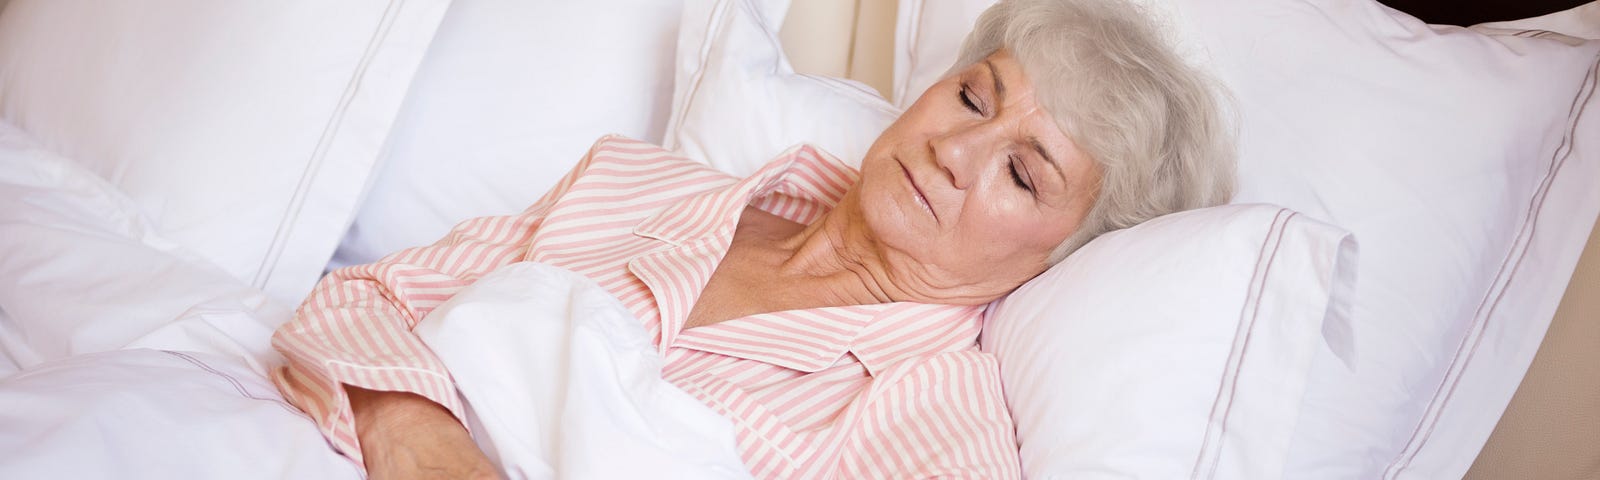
x: 895, y: 390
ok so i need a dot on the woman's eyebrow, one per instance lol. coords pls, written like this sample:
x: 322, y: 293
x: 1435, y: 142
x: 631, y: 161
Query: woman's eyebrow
x: 999, y: 86
x: 1039, y: 147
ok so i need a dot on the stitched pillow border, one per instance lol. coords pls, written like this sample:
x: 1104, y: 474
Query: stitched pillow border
x: 1509, y: 267
x: 347, y: 151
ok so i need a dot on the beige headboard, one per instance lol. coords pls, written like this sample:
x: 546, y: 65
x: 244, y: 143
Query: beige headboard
x: 1550, y: 430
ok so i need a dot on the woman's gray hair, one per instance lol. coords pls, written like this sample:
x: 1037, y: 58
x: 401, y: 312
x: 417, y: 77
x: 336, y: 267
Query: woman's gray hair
x: 1150, y: 120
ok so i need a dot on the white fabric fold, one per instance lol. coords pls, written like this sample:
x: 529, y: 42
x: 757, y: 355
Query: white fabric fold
x: 561, y: 381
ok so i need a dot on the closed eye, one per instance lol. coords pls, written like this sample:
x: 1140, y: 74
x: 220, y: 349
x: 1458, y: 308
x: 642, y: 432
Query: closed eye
x: 1017, y: 177
x: 966, y: 99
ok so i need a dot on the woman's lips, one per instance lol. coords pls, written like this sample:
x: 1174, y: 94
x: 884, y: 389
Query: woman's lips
x: 917, y: 191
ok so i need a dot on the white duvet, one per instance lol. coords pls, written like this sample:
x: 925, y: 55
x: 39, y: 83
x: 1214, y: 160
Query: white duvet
x: 561, y: 381
x: 83, y: 271
x: 122, y: 356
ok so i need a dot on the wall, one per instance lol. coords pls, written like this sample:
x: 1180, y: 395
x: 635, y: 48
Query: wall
x: 842, y: 38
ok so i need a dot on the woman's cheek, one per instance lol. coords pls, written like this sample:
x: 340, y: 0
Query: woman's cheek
x: 1015, y: 230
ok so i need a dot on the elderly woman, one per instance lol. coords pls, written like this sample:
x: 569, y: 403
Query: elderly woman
x: 833, y: 315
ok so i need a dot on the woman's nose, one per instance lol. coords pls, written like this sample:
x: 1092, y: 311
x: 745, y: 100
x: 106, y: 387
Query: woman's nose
x: 961, y: 154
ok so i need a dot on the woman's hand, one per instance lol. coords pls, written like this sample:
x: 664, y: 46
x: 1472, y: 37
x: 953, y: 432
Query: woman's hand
x: 407, y: 436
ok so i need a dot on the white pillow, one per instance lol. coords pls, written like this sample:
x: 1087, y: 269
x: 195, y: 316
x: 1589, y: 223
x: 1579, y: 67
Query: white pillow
x: 1174, y: 349
x: 738, y: 103
x: 1450, y: 156
x: 510, y: 96
x: 245, y: 130
x: 1581, y: 22
x: 84, y: 272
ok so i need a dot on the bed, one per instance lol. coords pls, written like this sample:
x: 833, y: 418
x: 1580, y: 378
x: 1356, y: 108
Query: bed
x: 1402, y: 289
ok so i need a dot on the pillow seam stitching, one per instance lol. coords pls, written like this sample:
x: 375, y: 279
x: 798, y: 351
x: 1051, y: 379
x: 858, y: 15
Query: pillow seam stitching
x: 1491, y: 300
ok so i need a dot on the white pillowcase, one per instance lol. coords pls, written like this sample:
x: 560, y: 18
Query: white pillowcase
x: 510, y: 96
x: 1582, y: 22
x: 1173, y: 349
x: 245, y: 130
x: 1449, y: 155
x: 84, y: 272
x: 738, y: 103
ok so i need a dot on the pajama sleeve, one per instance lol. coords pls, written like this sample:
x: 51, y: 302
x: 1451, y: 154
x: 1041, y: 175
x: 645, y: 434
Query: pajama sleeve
x: 356, y: 326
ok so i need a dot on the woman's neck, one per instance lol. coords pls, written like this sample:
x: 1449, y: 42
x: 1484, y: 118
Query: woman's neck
x: 835, y: 258
x: 774, y: 264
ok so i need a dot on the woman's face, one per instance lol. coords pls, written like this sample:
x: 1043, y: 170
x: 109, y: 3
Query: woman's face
x: 970, y: 190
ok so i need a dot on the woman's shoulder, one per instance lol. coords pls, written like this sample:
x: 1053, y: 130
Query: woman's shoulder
x: 619, y: 151
x: 620, y: 171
